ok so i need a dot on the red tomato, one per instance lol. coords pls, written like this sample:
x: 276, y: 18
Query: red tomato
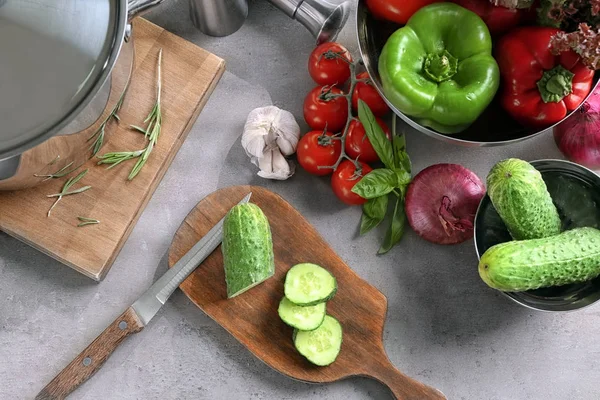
x: 358, y: 144
x: 343, y: 180
x: 326, y: 68
x: 367, y: 93
x: 498, y: 19
x: 316, y: 149
x: 321, y: 108
x: 398, y: 11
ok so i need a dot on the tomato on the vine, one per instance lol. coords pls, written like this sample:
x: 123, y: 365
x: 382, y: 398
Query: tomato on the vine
x: 318, y: 149
x: 358, y: 144
x: 398, y: 11
x: 326, y: 108
x: 345, y: 177
x: 367, y: 93
x: 325, y: 65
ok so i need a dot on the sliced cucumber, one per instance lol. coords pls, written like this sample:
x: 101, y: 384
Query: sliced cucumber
x: 305, y: 318
x: 309, y: 284
x: 322, y: 345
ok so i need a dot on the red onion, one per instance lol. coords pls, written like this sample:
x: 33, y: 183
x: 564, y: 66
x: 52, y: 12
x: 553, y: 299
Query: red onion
x: 578, y: 137
x: 441, y: 202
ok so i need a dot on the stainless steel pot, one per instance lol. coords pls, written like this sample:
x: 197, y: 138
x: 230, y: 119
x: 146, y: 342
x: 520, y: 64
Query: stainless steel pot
x: 494, y: 127
x: 575, y: 191
x: 56, y: 80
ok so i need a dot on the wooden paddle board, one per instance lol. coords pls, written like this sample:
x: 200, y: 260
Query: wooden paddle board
x: 252, y: 316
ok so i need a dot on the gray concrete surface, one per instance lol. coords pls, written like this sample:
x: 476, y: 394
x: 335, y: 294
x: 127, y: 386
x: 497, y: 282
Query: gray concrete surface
x: 444, y: 326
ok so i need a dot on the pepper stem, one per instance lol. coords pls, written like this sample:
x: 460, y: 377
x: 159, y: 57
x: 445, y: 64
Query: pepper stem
x: 555, y: 84
x: 440, y: 67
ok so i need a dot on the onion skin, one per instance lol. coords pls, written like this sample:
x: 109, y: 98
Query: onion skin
x: 578, y: 137
x: 441, y: 203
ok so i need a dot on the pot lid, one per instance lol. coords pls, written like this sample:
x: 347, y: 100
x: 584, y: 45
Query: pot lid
x: 55, y: 55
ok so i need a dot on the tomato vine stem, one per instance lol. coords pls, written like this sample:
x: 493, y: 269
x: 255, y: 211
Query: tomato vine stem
x: 344, y: 134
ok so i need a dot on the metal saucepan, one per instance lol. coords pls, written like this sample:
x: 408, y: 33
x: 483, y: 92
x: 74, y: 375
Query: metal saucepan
x: 57, y: 80
x: 494, y: 127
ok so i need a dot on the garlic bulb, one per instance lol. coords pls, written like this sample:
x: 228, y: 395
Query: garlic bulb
x: 271, y: 133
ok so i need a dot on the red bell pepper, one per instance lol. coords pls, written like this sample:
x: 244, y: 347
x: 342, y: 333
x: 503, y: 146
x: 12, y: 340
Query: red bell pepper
x: 539, y: 88
x: 497, y: 18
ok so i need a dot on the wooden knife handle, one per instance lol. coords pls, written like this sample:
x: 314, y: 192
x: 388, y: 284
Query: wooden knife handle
x: 91, y: 359
x: 402, y: 386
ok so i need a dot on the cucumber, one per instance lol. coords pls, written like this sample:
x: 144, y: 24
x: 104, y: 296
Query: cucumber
x: 309, y: 284
x: 305, y: 318
x: 247, y: 248
x: 322, y: 345
x: 520, y: 197
x: 571, y: 257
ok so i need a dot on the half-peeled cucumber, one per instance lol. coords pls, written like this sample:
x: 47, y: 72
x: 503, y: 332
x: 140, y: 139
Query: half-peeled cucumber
x: 247, y: 248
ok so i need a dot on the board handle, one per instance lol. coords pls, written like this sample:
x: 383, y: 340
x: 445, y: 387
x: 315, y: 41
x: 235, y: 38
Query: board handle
x: 93, y: 357
x: 402, y: 386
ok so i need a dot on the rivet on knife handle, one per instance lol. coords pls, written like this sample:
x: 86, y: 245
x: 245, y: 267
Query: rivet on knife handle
x: 91, y: 359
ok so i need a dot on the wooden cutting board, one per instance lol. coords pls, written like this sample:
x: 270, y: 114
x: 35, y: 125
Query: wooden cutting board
x: 189, y: 74
x: 252, y: 316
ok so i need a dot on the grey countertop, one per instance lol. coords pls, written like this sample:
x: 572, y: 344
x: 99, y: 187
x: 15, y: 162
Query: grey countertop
x: 444, y: 326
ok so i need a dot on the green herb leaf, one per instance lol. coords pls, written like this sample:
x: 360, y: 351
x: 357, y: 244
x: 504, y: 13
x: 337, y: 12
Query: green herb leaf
x: 368, y: 223
x: 65, y: 190
x: 403, y: 178
x: 381, y: 144
x: 87, y: 221
x: 401, y: 159
x: 396, y: 229
x: 376, y: 208
x: 376, y: 183
x: 373, y: 213
x: 139, y: 129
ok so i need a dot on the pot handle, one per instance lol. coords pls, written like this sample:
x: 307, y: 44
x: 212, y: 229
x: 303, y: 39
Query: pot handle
x: 135, y: 8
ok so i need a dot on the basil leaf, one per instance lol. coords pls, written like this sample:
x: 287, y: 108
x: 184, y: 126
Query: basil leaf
x: 380, y: 142
x: 376, y: 208
x: 376, y: 183
x: 396, y: 229
x: 373, y: 213
x: 403, y: 178
x: 401, y: 159
x: 367, y: 223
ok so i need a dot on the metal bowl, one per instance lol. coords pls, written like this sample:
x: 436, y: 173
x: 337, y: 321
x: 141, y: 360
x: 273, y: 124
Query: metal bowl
x: 494, y: 127
x: 575, y: 191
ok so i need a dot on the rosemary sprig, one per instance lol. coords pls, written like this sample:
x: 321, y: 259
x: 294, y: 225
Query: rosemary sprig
x: 61, y: 194
x: 151, y: 132
x: 154, y: 120
x: 87, y: 221
x: 117, y: 157
x: 65, y: 190
x: 64, y: 171
x: 100, y: 132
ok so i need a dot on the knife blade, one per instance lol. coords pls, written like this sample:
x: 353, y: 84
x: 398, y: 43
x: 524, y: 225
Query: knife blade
x: 134, y: 319
x: 153, y: 299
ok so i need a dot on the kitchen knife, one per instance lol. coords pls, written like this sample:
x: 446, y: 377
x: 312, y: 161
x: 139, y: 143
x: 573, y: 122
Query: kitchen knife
x: 134, y: 319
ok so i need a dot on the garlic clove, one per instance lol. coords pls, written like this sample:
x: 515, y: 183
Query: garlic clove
x: 273, y: 165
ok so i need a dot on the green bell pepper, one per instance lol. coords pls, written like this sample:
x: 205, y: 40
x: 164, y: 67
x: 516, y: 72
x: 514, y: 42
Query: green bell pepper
x: 439, y: 68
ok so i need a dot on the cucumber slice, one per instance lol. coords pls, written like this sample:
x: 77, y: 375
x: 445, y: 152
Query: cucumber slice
x: 309, y: 284
x: 305, y: 318
x: 321, y: 346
